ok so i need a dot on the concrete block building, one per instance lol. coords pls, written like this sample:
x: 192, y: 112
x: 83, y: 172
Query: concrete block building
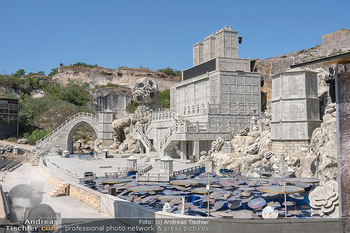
x: 218, y: 94
x: 295, y: 109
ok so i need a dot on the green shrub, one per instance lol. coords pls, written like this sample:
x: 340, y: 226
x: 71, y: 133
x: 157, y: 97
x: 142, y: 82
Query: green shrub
x: 7, y: 81
x: 12, y: 139
x: 112, y: 85
x: 5, y: 94
x: 73, y: 92
x: 76, y: 93
x: 131, y: 108
x: 23, y: 84
x: 84, y: 64
x: 53, y: 89
x: 170, y: 72
x: 53, y: 72
x: 19, y: 73
x: 30, y: 109
x: 36, y: 135
x: 164, y: 98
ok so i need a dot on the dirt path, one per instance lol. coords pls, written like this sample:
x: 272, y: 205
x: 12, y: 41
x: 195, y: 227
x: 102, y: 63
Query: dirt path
x: 21, y: 146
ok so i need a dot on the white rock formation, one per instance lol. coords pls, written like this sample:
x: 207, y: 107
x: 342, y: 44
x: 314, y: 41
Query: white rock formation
x: 270, y: 212
x: 123, y: 139
x: 255, y: 143
x: 320, y: 161
x: 216, y: 145
x: 22, y: 141
x: 324, y: 200
x: 37, y: 93
x: 317, y: 160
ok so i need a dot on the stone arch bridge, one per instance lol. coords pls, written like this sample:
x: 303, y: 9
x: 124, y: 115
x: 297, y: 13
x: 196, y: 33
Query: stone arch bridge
x: 63, y: 135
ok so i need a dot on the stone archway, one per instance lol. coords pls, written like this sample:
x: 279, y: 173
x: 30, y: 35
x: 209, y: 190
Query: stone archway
x: 73, y: 128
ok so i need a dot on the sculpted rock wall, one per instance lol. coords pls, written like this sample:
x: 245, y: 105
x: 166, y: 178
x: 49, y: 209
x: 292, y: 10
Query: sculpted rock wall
x: 144, y: 93
x: 248, y: 153
x: 321, y: 159
x: 123, y: 139
x: 254, y: 152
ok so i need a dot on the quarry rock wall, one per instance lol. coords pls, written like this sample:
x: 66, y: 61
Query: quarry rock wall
x: 100, y: 76
x: 332, y: 43
x: 111, y: 88
x: 114, y: 99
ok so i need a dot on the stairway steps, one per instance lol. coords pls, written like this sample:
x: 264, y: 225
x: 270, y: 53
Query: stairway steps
x: 59, y: 189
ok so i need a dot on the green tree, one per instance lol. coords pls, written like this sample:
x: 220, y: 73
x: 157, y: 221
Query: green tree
x: 170, y: 71
x: 84, y: 64
x: 7, y: 81
x: 75, y: 93
x: 53, y: 72
x: 37, y: 73
x: 164, y: 98
x: 19, y: 73
x: 53, y: 89
x: 36, y: 135
x: 30, y: 109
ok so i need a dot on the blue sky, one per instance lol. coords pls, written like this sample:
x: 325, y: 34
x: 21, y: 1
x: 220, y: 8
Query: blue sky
x: 37, y: 35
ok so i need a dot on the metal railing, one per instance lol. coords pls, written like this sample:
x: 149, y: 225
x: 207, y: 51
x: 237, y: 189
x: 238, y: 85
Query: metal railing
x: 179, y: 124
x: 187, y: 171
x: 155, y: 177
x: 120, y: 172
x: 166, y: 114
x: 144, y: 138
x: 68, y: 121
x: 146, y: 169
x: 169, y: 136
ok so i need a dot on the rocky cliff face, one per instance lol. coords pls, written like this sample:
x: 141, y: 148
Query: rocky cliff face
x: 112, y: 98
x: 111, y: 88
x: 100, y: 76
x: 332, y: 44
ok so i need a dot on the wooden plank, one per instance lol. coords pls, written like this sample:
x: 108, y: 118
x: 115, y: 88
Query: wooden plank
x: 344, y: 60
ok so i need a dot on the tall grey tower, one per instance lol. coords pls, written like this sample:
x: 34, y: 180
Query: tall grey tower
x: 222, y: 44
